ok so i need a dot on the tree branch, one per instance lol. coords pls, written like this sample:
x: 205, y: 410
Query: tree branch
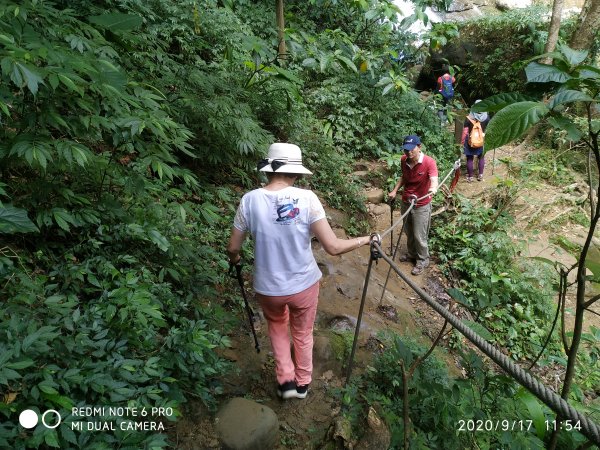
x: 591, y: 301
x: 558, y: 308
x: 562, y: 295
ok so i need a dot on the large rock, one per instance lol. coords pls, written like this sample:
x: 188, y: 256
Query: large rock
x: 378, y: 210
x: 326, y: 358
x: 246, y: 425
x: 377, y: 436
x: 505, y: 5
x: 375, y: 195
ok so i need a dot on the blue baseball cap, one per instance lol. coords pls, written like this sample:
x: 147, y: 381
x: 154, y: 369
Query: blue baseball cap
x: 411, y: 141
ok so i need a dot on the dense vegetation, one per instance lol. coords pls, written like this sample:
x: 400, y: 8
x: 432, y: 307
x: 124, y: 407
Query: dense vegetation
x: 127, y: 127
x: 123, y: 124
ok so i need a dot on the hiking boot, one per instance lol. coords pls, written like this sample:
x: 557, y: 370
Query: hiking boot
x: 480, y: 178
x: 469, y: 179
x: 420, y: 267
x: 287, y: 390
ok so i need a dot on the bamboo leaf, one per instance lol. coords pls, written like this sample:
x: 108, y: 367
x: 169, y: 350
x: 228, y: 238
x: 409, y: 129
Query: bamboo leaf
x: 348, y: 63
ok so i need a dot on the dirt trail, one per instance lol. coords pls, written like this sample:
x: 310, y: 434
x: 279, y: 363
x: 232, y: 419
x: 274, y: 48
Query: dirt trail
x: 541, y: 212
x: 304, y: 423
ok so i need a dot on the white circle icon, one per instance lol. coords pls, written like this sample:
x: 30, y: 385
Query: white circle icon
x: 28, y: 418
x: 44, y: 418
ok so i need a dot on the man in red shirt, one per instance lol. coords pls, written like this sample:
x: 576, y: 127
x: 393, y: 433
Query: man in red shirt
x: 419, y: 179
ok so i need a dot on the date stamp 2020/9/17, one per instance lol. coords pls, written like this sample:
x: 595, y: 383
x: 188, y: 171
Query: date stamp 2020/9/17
x: 474, y: 425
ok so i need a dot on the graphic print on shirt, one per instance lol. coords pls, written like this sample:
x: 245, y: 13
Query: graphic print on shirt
x: 287, y: 210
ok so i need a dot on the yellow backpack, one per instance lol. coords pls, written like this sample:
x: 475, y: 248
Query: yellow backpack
x: 476, y: 136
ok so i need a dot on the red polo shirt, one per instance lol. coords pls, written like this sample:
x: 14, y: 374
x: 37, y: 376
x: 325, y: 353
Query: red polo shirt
x: 417, y: 179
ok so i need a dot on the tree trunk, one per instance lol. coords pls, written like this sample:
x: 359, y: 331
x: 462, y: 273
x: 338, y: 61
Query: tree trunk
x: 587, y: 26
x: 280, y: 29
x: 557, y: 8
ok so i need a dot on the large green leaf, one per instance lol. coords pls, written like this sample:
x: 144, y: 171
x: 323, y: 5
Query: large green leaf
x: 117, y: 21
x: 512, y: 121
x: 573, y: 57
x: 479, y: 329
x: 563, y: 123
x: 160, y: 241
x: 543, y: 73
x: 536, y: 411
x: 589, y: 72
x: 459, y: 297
x: 497, y: 102
x: 29, y: 76
x: 15, y: 220
x: 569, y: 96
x: 594, y: 267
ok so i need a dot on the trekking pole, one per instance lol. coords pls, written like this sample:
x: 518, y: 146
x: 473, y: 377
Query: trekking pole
x: 392, y: 203
x: 375, y: 255
x: 238, y: 275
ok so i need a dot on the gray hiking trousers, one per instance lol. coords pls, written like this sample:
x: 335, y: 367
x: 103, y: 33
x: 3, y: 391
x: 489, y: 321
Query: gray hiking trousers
x: 416, y: 227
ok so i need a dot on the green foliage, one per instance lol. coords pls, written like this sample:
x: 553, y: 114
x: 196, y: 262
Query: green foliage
x: 502, y: 42
x: 574, y: 81
x: 588, y: 365
x: 512, y: 121
x: 116, y: 120
x: 448, y: 406
x: 109, y: 297
x: 508, y: 296
x: 553, y: 166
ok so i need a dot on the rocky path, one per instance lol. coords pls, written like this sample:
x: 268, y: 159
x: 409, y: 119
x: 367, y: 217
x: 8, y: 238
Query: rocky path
x: 310, y: 423
x: 307, y: 424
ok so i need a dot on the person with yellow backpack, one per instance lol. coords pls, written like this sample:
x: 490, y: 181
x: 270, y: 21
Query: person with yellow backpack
x: 473, y: 138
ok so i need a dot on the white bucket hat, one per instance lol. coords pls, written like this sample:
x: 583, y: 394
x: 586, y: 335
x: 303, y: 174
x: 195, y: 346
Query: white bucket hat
x: 287, y: 158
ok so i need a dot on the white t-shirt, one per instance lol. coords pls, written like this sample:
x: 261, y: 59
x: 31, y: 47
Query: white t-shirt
x: 279, y: 222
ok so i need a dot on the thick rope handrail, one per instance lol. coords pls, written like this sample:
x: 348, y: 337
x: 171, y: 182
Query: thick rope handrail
x: 588, y: 428
x: 414, y: 200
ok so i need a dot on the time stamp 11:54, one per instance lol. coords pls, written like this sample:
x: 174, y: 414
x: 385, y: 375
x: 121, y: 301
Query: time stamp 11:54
x: 515, y: 425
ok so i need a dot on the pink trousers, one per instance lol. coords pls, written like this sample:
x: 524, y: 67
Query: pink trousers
x: 299, y: 311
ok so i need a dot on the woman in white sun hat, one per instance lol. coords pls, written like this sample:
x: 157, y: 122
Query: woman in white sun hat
x: 281, y: 219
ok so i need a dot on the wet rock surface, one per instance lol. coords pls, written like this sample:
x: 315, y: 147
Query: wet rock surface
x: 247, y: 425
